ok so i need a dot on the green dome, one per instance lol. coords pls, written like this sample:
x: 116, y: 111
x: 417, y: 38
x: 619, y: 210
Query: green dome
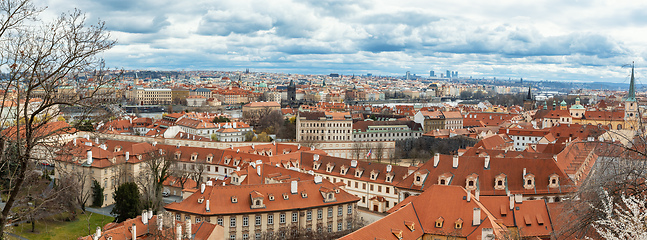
x: 563, y: 103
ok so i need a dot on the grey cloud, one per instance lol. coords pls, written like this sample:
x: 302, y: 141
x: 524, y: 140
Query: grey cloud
x: 411, y: 18
x: 224, y: 23
x: 137, y: 24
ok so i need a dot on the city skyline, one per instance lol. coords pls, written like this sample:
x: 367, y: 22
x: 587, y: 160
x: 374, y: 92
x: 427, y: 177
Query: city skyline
x: 547, y: 40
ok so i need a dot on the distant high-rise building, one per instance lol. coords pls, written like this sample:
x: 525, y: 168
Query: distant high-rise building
x: 432, y: 74
x: 455, y: 74
x: 408, y: 76
x: 449, y: 74
x: 292, y: 92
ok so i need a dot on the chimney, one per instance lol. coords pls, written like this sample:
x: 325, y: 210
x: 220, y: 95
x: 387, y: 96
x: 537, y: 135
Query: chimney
x: 103, y: 146
x: 209, y: 183
x: 89, y: 161
x: 478, y: 194
x: 511, y: 202
x: 74, y: 141
x: 144, y: 217
x: 98, y: 234
x: 298, y: 146
x: 258, y: 170
x: 524, y: 172
x: 253, y: 146
x: 134, y: 231
x: 207, y: 206
x: 476, y: 217
x: 127, y: 156
x: 130, y: 120
x: 188, y: 228
x: 96, y: 140
x: 178, y: 232
x: 150, y: 214
x: 160, y: 221
x: 388, y: 168
x: 487, y: 162
x: 315, y: 157
x: 87, y: 137
x: 436, y: 159
x: 469, y: 196
x: 294, y: 187
x: 353, y: 163
x: 234, y: 124
x: 202, y: 186
x: 455, y: 162
x: 318, y: 179
x: 237, y: 150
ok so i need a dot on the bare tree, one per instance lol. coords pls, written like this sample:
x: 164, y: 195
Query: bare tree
x: 157, y: 168
x: 199, y: 167
x: 378, y: 150
x: 357, y: 150
x: 41, y: 62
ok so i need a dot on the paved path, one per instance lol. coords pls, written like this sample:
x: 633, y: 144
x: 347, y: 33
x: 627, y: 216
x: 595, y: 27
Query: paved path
x: 103, y: 211
x: 369, y: 216
x: 14, y: 236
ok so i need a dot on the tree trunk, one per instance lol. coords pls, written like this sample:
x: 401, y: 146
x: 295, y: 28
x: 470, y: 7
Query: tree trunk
x: 33, y: 224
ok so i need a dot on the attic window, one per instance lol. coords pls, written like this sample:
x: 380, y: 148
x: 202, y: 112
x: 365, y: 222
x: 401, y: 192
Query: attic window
x: 177, y: 155
x: 442, y: 182
x: 271, y: 197
x: 499, y: 182
x: 439, y: 222
x: 417, y: 178
x: 209, y: 158
x: 194, y: 156
x: 285, y: 196
x: 373, y: 176
x: 553, y: 181
x: 389, y: 178
x: 458, y: 224
x: 234, y: 199
x: 470, y: 183
x: 529, y: 181
x: 304, y: 194
x: 200, y: 200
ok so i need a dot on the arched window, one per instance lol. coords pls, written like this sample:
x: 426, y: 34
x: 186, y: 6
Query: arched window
x: 258, y: 202
x: 619, y: 127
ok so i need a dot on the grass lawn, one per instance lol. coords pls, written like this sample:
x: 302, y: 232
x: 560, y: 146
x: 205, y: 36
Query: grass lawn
x: 58, y: 229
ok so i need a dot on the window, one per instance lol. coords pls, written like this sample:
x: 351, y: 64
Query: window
x: 319, y: 214
x: 350, y: 209
x: 364, y: 186
x: 349, y: 225
x: 232, y: 222
x: 187, y: 218
x: 339, y: 226
x: 245, y: 236
x: 282, y: 218
x: 245, y: 221
x: 387, y: 189
x: 379, y: 188
x: 329, y: 212
x: 219, y: 221
x: 179, y: 218
x: 309, y: 215
x: 258, y: 220
x: 198, y: 220
x: 371, y: 187
x: 258, y: 235
x: 295, y: 217
x: 270, y: 219
x: 340, y: 211
x: 329, y: 227
x: 232, y: 237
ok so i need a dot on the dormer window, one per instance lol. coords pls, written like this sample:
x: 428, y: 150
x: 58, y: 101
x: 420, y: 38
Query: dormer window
x: 374, y: 174
x: 529, y: 181
x: 470, y: 182
x: 117, y: 148
x: 271, y: 197
x: 177, y: 155
x: 330, y: 167
x: 236, y: 162
x: 553, y: 181
x: 304, y: 194
x: 445, y: 179
x: 343, y: 170
x: 234, y: 199
x: 285, y: 196
x: 358, y: 172
x: 227, y: 159
x: 439, y: 222
x: 200, y: 200
x: 194, y: 156
x: 316, y: 165
x: 389, y: 178
x: 458, y: 224
x: 499, y: 182
x: 210, y: 158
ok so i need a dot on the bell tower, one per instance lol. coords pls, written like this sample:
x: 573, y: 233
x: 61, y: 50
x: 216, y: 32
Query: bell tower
x: 631, y: 105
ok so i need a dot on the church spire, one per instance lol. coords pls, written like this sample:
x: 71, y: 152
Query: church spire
x: 632, y: 90
x: 529, y: 97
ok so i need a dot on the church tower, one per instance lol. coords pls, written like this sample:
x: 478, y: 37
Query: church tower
x: 528, y: 102
x: 292, y: 93
x: 631, y: 105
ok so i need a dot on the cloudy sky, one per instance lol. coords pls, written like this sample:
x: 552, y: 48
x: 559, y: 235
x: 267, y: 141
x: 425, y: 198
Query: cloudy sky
x: 587, y: 40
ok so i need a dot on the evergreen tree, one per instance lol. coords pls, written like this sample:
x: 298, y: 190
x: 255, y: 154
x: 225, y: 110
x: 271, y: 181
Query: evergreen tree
x: 97, y: 194
x: 127, y: 203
